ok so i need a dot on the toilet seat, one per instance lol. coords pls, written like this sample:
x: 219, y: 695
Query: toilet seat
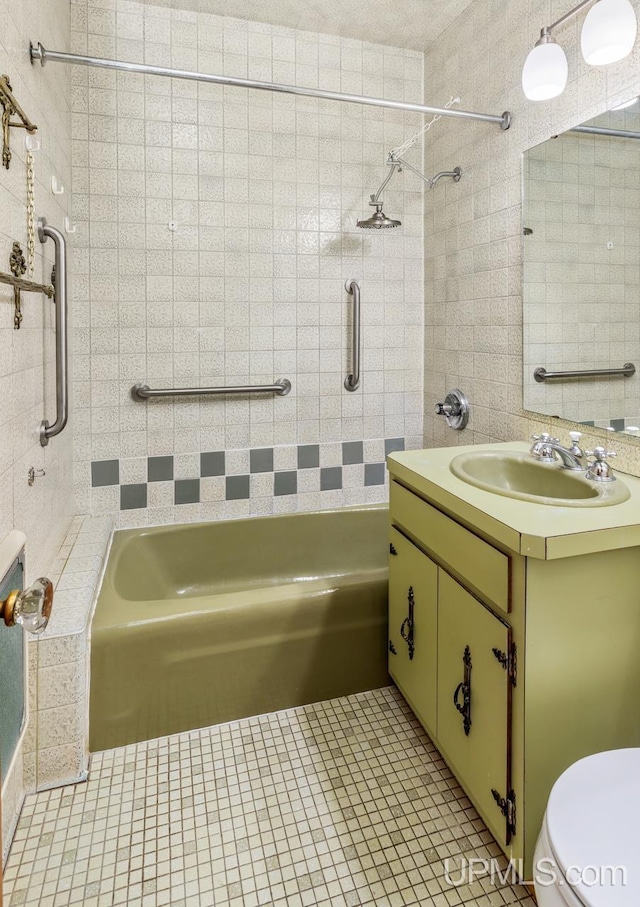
x: 592, y: 823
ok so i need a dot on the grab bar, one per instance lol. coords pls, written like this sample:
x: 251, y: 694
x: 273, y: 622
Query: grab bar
x: 281, y: 387
x: 352, y: 381
x: 45, y: 231
x: 627, y: 371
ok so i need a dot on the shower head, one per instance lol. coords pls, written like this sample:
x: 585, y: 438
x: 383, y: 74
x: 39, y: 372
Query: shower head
x: 378, y: 221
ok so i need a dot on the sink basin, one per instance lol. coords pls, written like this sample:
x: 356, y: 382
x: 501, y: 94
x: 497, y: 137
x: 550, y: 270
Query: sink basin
x: 518, y: 475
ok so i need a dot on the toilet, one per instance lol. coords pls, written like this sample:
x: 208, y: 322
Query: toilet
x: 588, y: 851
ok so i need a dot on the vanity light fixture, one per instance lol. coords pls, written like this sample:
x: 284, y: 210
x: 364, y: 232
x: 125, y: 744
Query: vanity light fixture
x: 608, y: 35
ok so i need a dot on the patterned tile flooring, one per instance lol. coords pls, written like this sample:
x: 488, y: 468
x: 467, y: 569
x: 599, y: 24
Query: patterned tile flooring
x: 339, y: 804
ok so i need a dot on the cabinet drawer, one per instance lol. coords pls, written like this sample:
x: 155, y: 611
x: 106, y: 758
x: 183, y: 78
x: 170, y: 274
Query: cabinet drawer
x: 478, y: 565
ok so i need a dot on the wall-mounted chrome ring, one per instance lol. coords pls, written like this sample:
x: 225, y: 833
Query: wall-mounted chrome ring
x: 455, y: 409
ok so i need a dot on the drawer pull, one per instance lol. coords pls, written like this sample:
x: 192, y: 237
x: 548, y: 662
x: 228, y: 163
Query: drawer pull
x: 464, y: 689
x: 406, y: 628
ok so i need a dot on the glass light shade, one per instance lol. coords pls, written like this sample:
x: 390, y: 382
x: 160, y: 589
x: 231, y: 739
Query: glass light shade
x: 545, y: 72
x: 609, y: 32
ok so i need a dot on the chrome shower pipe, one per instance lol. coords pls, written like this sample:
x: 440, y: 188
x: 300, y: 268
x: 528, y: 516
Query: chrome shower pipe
x: 431, y: 181
x: 399, y: 163
x: 394, y: 165
x: 38, y: 52
x: 47, y: 431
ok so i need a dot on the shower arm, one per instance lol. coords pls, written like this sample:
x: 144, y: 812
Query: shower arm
x: 399, y: 164
x: 394, y: 165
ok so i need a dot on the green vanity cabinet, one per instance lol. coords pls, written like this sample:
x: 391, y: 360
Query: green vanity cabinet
x: 526, y: 634
x: 413, y: 626
x: 446, y: 655
x: 474, y: 698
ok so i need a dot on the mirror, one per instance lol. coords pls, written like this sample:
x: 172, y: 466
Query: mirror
x: 581, y: 292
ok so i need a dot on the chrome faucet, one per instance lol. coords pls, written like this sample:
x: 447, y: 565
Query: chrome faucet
x: 546, y: 450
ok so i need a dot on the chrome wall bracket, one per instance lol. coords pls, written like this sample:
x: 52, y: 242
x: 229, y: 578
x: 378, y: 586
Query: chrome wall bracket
x: 455, y: 409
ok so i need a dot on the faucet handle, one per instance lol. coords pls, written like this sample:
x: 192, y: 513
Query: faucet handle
x: 599, y: 470
x: 600, y: 454
x: 575, y: 436
x: 545, y: 437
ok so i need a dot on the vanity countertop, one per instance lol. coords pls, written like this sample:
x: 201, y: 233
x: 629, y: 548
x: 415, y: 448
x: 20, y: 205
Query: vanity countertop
x: 534, y: 530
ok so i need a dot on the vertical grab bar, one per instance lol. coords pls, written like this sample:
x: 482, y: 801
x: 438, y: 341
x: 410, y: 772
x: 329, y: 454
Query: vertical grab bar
x: 352, y: 381
x: 45, y: 231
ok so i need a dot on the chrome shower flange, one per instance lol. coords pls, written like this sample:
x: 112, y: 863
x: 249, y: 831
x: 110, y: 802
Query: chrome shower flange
x: 455, y: 409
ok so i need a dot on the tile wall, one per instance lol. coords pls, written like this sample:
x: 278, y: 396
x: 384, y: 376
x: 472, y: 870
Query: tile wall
x: 27, y: 364
x: 473, y: 230
x: 216, y: 228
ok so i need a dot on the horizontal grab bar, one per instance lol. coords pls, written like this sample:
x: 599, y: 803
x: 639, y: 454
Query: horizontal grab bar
x: 281, y: 387
x: 627, y: 371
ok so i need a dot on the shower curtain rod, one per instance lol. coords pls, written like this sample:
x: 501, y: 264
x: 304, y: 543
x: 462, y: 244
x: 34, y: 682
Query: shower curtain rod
x: 38, y: 52
x: 604, y: 130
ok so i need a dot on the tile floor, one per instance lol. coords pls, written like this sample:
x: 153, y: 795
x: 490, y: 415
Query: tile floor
x: 341, y: 803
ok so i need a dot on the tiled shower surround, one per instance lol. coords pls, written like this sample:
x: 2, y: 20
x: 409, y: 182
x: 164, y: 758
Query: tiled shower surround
x: 236, y: 483
x: 216, y: 229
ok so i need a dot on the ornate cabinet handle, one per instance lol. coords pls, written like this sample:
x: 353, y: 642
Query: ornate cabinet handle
x: 464, y: 690
x: 406, y: 628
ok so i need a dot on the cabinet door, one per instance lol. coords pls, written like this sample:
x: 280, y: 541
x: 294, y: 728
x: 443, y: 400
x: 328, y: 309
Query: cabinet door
x: 413, y: 627
x: 474, y: 701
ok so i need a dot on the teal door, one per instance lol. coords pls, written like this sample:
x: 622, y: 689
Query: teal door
x: 12, y: 701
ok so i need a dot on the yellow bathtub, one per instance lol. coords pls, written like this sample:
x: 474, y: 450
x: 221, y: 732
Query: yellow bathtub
x: 204, y: 623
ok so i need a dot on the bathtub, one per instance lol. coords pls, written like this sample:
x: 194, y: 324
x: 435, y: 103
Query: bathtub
x: 200, y: 624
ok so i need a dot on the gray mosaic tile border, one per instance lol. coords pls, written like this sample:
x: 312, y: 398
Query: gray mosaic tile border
x: 613, y: 425
x: 135, y: 495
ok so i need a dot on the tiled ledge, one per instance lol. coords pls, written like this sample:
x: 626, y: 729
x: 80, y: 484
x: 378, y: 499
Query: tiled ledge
x: 56, y: 742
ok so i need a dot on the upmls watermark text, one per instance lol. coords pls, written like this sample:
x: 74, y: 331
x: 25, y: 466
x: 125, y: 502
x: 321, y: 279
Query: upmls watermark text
x: 465, y: 871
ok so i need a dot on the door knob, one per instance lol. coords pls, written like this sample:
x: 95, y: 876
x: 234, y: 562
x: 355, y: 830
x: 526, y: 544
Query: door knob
x: 30, y: 608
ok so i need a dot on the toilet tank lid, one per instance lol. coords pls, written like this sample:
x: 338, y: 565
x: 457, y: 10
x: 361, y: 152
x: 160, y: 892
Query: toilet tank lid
x: 593, y: 828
